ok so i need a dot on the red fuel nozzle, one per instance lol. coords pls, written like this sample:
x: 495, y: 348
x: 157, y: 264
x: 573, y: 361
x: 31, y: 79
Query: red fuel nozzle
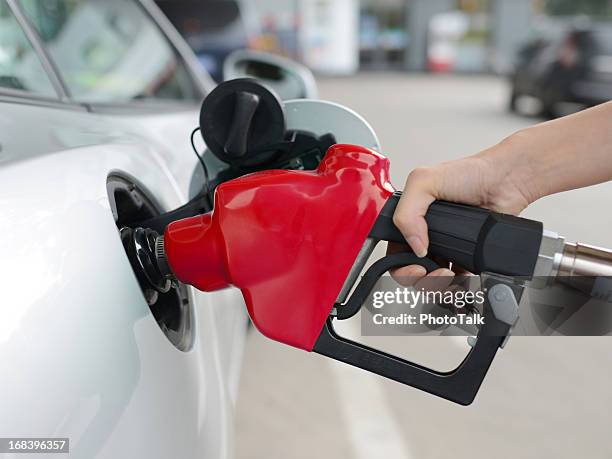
x: 286, y: 238
x: 194, y: 249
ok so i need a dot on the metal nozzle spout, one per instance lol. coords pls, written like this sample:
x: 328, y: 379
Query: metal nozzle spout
x: 585, y: 260
x: 145, y: 250
x: 160, y: 257
x: 588, y: 269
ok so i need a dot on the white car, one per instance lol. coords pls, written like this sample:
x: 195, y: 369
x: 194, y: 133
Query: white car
x: 97, y: 102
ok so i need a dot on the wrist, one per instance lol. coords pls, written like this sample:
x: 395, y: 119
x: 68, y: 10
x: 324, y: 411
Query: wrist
x: 528, y: 163
x: 513, y: 173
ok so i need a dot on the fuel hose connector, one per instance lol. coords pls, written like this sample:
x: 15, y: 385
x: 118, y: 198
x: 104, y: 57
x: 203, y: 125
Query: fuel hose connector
x: 588, y: 269
x: 581, y: 266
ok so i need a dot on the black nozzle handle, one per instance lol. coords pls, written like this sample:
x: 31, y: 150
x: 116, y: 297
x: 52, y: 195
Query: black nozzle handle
x: 477, y: 239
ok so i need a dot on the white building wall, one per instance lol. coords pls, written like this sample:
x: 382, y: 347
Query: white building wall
x: 328, y: 35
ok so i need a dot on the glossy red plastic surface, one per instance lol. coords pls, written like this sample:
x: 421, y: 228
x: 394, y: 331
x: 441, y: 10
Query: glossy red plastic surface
x: 287, y: 239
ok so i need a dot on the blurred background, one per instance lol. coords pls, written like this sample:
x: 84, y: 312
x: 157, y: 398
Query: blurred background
x: 559, y: 52
x: 437, y: 79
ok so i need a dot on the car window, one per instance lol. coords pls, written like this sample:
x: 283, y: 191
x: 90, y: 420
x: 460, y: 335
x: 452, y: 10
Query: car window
x: 110, y: 51
x: 20, y: 67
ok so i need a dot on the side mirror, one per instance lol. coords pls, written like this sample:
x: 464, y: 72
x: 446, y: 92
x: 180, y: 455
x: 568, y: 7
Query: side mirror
x: 287, y: 78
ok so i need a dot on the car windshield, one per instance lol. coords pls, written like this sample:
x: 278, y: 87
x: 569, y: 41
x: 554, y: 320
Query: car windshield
x: 110, y: 51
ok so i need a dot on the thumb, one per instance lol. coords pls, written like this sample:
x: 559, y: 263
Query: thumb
x: 409, y: 216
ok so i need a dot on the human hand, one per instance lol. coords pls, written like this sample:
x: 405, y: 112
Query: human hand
x: 495, y: 179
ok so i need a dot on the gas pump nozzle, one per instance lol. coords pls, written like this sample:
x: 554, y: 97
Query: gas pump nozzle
x: 295, y: 242
x: 505, y: 245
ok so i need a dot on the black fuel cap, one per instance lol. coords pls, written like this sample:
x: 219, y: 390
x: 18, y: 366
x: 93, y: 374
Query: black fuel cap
x: 242, y: 122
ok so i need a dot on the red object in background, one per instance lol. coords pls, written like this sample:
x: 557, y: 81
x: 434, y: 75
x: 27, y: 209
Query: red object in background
x: 439, y: 66
x: 287, y: 239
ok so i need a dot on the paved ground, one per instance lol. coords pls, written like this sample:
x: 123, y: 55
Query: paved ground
x: 544, y: 397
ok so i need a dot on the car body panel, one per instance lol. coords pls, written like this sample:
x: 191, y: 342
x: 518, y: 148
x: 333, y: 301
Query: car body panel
x: 79, y: 345
x: 82, y: 355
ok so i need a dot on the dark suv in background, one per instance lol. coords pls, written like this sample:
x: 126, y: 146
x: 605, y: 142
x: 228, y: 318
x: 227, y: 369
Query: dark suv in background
x: 213, y: 28
x: 576, y: 68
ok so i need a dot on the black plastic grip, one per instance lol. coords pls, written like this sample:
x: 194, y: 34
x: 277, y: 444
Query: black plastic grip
x: 373, y: 273
x: 477, y: 239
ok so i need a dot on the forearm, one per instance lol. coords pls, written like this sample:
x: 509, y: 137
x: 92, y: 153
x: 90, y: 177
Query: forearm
x: 560, y: 155
x: 571, y: 152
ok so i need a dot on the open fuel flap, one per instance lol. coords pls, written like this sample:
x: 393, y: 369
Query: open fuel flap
x: 169, y: 303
